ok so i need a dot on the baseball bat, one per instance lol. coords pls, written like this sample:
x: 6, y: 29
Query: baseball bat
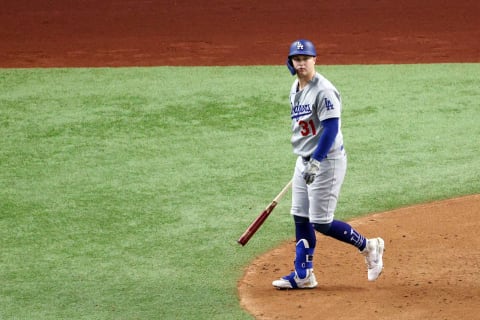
x: 257, y: 223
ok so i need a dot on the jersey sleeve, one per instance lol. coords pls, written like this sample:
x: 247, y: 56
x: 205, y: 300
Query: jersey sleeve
x: 329, y: 105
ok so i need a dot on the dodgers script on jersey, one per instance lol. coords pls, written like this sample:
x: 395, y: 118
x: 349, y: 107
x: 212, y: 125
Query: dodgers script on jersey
x: 318, y: 101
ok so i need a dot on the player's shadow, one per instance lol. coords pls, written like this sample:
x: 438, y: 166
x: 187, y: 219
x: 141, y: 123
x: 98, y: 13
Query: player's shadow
x: 341, y: 288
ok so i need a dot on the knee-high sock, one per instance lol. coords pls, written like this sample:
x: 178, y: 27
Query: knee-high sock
x: 304, y: 230
x: 305, y: 248
x: 344, y: 232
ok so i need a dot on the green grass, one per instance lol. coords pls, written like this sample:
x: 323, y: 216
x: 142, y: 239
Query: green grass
x: 123, y: 191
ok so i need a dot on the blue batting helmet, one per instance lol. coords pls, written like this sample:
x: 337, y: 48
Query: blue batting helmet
x: 302, y: 47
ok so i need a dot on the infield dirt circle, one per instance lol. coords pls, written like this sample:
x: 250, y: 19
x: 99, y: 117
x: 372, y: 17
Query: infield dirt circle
x: 432, y: 260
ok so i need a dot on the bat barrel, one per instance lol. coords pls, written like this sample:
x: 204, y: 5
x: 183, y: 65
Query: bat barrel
x: 257, y: 223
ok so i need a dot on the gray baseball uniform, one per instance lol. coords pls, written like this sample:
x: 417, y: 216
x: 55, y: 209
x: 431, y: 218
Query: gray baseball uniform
x: 319, y: 172
x: 318, y: 101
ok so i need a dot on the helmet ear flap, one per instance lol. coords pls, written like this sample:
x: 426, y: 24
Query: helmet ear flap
x: 290, y: 67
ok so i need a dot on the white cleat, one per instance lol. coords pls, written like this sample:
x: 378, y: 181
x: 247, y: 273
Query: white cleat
x: 292, y: 281
x: 373, y: 253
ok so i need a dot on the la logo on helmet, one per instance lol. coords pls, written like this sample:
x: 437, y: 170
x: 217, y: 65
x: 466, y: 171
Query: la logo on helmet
x: 299, y: 46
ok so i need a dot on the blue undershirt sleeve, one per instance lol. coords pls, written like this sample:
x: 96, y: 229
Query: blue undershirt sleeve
x: 325, y: 143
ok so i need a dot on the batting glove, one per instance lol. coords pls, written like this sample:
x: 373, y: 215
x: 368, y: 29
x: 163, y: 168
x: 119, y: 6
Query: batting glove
x: 311, y: 169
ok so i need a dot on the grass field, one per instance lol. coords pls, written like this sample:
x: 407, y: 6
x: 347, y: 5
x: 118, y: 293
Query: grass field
x: 123, y: 190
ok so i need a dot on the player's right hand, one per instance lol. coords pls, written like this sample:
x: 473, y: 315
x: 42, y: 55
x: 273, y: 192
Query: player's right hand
x: 311, y: 169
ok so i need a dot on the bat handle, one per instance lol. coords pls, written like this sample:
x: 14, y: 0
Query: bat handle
x: 284, y: 190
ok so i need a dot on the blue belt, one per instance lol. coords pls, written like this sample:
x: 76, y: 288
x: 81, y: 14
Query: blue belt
x: 307, y: 158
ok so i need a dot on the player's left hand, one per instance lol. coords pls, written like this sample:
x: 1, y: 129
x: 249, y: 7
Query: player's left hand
x: 311, y: 169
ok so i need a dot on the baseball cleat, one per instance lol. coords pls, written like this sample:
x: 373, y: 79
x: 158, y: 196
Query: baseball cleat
x: 373, y: 253
x: 292, y: 281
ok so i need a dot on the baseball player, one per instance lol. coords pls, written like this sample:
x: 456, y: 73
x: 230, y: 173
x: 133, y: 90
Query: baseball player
x: 320, y: 168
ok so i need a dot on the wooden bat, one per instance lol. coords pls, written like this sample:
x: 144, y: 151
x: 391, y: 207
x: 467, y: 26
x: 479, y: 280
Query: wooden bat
x: 257, y: 223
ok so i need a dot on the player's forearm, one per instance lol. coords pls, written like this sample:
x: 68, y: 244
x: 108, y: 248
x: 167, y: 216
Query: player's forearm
x: 327, y: 138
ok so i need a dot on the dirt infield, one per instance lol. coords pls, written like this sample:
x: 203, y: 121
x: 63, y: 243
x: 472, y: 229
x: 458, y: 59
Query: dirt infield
x: 431, y: 270
x: 432, y: 258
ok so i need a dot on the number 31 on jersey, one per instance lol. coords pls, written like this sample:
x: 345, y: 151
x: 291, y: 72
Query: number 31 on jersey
x: 307, y: 128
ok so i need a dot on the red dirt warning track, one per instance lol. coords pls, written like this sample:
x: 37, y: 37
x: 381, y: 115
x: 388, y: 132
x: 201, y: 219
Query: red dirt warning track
x: 236, y: 32
x: 432, y: 258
